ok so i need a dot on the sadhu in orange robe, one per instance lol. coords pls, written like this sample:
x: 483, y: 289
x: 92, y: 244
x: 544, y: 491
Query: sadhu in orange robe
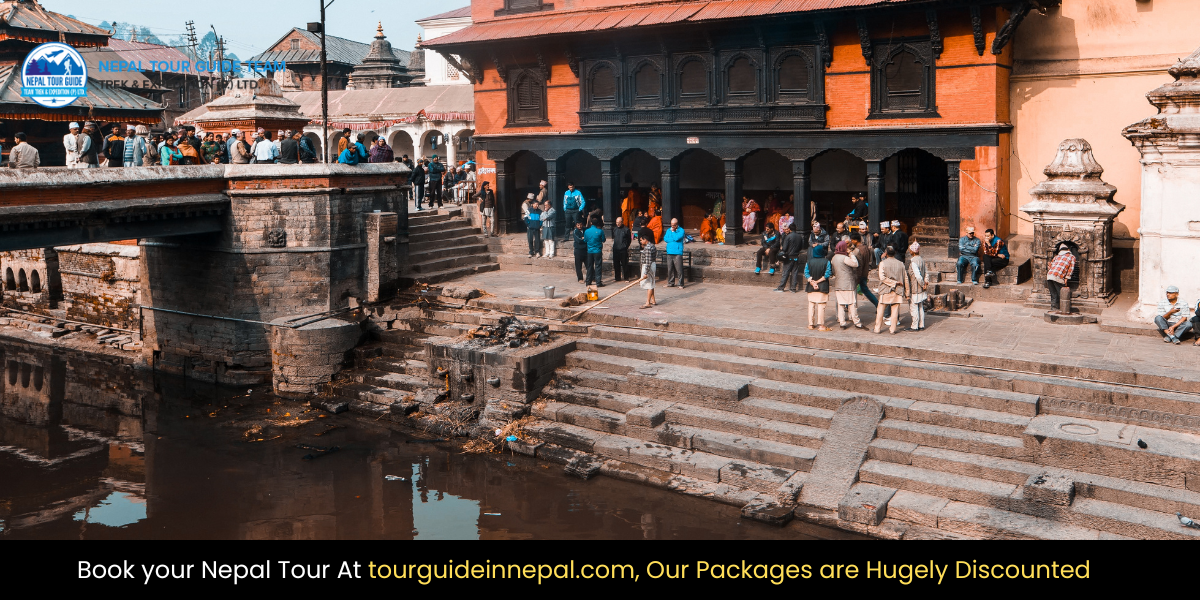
x: 631, y: 205
x: 710, y: 229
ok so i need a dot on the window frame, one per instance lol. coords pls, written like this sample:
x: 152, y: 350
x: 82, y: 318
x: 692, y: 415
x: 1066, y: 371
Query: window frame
x: 751, y: 98
x: 515, y: 77
x: 922, y: 49
x: 692, y: 99
x: 811, y: 90
x: 648, y: 101
x: 589, y: 97
x: 508, y: 10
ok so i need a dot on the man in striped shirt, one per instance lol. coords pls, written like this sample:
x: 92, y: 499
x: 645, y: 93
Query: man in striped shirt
x: 1172, y: 307
x: 1058, y: 275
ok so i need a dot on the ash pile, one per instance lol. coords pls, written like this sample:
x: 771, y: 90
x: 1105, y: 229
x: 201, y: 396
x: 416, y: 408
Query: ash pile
x: 510, y: 332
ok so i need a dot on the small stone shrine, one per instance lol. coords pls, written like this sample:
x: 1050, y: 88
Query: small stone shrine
x: 1074, y: 206
x: 248, y: 105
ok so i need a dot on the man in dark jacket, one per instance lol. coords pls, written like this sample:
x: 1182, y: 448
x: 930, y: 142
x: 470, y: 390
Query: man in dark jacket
x: 433, y: 180
x: 579, y: 249
x: 418, y: 181
x: 789, y: 254
x: 308, y: 154
x: 622, y: 237
x: 818, y: 236
x: 114, y: 148
x: 289, y: 149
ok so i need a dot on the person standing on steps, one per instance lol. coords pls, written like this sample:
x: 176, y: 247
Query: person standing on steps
x: 418, y: 181
x: 893, y: 288
x: 594, y: 238
x: 533, y: 226
x: 572, y: 204
x: 817, y: 272
x: 487, y: 207
x: 845, y: 280
x: 579, y: 248
x: 548, y: 218
x: 648, y: 258
x: 789, y: 255
x: 674, y: 238
x: 433, y: 180
x: 918, y: 287
x: 622, y: 238
x: 862, y: 254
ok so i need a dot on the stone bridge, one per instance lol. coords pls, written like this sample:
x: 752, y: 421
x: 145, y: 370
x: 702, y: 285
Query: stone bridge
x: 226, y: 249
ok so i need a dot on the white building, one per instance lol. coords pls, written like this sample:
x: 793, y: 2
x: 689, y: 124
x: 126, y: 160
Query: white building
x: 437, y: 70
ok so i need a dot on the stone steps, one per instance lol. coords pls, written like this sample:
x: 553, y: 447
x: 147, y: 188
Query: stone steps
x: 625, y: 358
x: 448, y: 274
x: 1083, y: 512
x: 469, y: 240
x: 442, y: 264
x: 396, y: 365
x: 429, y: 254
x: 953, y: 438
x: 701, y: 464
x: 392, y: 381
x: 1171, y: 404
x: 450, y: 229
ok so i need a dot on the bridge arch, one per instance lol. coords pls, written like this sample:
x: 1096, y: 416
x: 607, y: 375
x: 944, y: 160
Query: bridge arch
x: 10, y: 280
x: 22, y: 281
x: 35, y: 282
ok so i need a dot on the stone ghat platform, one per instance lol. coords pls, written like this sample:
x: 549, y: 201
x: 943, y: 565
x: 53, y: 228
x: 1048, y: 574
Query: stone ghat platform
x: 992, y: 426
x: 734, y: 265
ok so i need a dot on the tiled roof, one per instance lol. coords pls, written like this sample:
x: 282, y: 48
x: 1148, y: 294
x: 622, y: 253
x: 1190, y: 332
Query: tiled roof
x: 31, y: 15
x: 643, y: 14
x: 457, y: 13
x: 337, y: 50
x: 98, y: 97
x: 388, y: 102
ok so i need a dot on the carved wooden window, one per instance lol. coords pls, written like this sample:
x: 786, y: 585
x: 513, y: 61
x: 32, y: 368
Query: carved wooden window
x: 603, y: 86
x: 793, y: 75
x: 902, y: 81
x: 693, y: 82
x: 647, y: 85
x: 526, y: 98
x: 741, y: 77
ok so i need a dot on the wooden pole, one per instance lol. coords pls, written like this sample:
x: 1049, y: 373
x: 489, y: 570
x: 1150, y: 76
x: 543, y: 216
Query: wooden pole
x: 599, y: 302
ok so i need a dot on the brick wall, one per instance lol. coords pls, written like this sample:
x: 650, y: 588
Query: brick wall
x: 101, y: 283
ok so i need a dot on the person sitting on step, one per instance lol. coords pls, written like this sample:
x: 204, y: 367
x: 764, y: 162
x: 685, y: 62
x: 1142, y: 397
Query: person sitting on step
x: 769, y: 250
x: 968, y: 256
x: 1172, y: 307
x: 994, y: 256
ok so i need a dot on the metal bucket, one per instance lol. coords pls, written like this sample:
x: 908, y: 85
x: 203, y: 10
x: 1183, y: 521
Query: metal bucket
x: 549, y: 291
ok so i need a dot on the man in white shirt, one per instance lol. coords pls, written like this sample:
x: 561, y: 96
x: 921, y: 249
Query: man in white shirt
x: 265, y: 151
x: 1170, y: 308
x: 71, y: 144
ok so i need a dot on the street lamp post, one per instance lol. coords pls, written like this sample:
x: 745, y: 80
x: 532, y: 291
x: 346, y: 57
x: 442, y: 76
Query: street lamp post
x: 312, y: 27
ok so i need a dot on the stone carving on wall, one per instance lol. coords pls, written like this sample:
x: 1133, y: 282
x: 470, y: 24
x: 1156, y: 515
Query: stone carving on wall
x: 277, y: 238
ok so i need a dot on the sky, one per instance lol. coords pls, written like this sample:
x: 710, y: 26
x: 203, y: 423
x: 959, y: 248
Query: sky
x: 251, y: 26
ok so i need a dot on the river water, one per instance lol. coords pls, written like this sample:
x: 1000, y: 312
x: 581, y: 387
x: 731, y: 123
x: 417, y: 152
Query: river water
x: 91, y: 448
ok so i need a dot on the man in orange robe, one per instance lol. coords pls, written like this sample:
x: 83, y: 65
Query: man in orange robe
x: 632, y: 204
x: 656, y: 226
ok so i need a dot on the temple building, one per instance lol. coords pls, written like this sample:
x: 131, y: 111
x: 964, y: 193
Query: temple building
x: 300, y: 50
x: 24, y: 25
x: 379, y: 68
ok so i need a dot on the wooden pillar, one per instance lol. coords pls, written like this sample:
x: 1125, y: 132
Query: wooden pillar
x: 610, y: 187
x: 733, y: 202
x: 874, y: 194
x: 801, y: 197
x: 669, y: 182
x: 508, y: 212
x: 953, y: 189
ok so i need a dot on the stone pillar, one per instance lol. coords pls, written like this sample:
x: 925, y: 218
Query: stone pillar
x: 306, y: 357
x: 450, y: 150
x: 953, y: 194
x: 610, y: 188
x: 508, y: 209
x: 382, y: 267
x: 1170, y: 218
x: 874, y: 194
x: 670, y: 192
x: 801, y: 196
x: 554, y: 191
x: 733, y: 202
x: 1074, y: 206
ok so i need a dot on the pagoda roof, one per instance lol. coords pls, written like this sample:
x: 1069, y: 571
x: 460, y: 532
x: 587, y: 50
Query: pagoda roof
x: 26, y: 20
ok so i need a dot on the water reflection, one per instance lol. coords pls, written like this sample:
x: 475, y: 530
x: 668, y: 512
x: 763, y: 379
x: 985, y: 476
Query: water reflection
x: 91, y: 448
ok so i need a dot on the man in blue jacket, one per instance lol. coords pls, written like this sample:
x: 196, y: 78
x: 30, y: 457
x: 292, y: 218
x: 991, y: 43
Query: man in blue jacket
x: 674, y: 239
x: 594, y: 237
x: 572, y: 203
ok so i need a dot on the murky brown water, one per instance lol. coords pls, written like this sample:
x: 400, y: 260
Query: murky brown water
x: 95, y: 450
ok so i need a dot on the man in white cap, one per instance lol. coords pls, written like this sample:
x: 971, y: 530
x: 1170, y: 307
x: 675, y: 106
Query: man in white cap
x: 1173, y: 307
x: 542, y: 194
x: 968, y: 255
x: 71, y: 144
x: 895, y: 238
